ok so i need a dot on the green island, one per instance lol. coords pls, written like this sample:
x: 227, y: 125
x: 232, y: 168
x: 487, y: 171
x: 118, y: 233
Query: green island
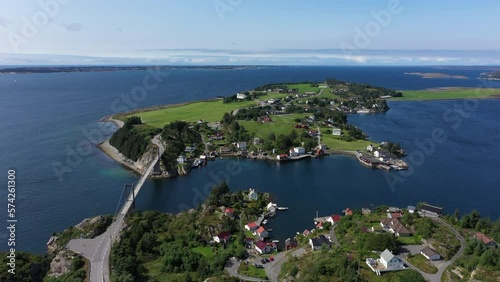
x: 449, y: 93
x: 225, y: 239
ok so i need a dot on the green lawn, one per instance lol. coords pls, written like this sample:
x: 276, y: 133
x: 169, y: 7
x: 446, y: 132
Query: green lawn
x: 335, y: 143
x: 304, y: 87
x: 252, y: 271
x: 209, y: 111
x: 407, y: 240
x: 154, y: 272
x: 422, y: 263
x: 204, y: 251
x: 450, y: 93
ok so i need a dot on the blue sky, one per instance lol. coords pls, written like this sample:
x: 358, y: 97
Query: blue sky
x: 364, y: 32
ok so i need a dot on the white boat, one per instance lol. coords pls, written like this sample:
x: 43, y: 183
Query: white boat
x: 282, y: 208
x: 276, y: 241
x: 265, y: 221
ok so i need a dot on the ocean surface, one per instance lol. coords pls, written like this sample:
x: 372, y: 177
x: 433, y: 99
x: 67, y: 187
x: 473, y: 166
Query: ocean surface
x: 48, y: 122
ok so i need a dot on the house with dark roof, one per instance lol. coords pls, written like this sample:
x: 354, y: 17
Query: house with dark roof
x: 395, y: 226
x: 262, y: 247
x: 430, y: 254
x: 333, y: 219
x: 222, y: 237
x: 319, y: 242
x: 487, y: 241
x: 290, y: 244
x: 431, y: 209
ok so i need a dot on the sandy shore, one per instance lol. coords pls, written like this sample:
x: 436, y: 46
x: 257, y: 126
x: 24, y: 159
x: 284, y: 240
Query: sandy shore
x: 117, y: 156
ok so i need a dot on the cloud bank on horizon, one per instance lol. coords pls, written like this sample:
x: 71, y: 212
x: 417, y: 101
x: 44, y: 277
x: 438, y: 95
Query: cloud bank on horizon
x: 242, y: 32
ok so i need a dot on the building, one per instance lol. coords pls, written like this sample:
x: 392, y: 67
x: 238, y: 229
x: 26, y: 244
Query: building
x: 347, y: 211
x: 299, y: 151
x: 291, y: 243
x: 282, y: 157
x: 181, y: 159
x: 229, y: 212
x: 333, y: 219
x: 411, y: 209
x: 384, y: 155
x: 394, y: 215
x: 431, y: 209
x: 306, y: 232
x: 395, y: 226
x: 366, y: 211
x: 430, y: 254
x: 251, y: 226
x: 222, y: 237
x: 241, y: 145
x: 319, y: 242
x: 386, y: 262
x: 336, y: 131
x: 252, y: 195
x: 369, y: 148
x: 261, y: 232
x: 393, y: 209
x: 189, y: 149
x: 390, y: 261
x: 257, y: 141
x: 241, y: 96
x: 262, y: 247
x: 487, y: 241
x: 225, y: 150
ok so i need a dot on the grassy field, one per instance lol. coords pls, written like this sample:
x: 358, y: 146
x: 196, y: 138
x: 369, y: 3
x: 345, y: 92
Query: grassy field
x: 304, y: 87
x: 204, y: 251
x: 450, y: 93
x: 421, y: 263
x: 208, y: 111
x: 252, y: 271
x: 407, y: 240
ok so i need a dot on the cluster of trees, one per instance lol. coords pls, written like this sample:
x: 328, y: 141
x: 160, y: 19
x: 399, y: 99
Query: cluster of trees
x: 175, y: 136
x: 29, y: 268
x: 473, y: 220
x: 478, y: 255
x: 394, y: 148
x: 128, y: 140
x: 354, y: 133
x: 251, y: 113
x: 172, y: 240
x: 364, y: 90
x: 234, y: 131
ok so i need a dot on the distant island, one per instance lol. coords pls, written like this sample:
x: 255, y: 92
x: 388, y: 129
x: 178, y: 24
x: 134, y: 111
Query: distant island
x: 495, y: 75
x: 62, y: 69
x: 436, y: 75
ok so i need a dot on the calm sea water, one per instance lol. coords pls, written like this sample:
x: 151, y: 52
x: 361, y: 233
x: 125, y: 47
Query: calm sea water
x: 45, y: 118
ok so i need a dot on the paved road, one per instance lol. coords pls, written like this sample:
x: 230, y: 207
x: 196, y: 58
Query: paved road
x: 97, y: 250
x: 273, y: 269
x: 232, y: 268
x: 333, y: 237
x: 437, y: 277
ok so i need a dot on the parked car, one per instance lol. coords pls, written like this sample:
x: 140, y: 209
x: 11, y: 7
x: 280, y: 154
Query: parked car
x: 259, y: 266
x: 263, y: 261
x: 271, y: 259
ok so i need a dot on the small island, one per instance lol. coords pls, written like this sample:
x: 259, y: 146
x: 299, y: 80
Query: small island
x: 276, y: 122
x: 436, y: 75
x: 495, y: 75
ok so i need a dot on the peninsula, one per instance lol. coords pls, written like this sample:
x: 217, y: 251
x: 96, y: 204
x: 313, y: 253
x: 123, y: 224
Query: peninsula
x: 278, y: 122
x: 436, y: 75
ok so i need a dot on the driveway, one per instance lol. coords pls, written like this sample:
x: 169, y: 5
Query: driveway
x: 273, y: 268
x: 232, y: 266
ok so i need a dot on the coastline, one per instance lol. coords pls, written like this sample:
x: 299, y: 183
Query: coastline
x: 113, y: 153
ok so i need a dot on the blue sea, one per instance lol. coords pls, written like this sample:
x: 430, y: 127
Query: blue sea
x: 48, y: 122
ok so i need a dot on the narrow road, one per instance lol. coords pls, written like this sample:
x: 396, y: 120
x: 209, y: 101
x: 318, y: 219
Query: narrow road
x: 333, y: 237
x: 273, y: 269
x: 97, y: 250
x: 437, y: 276
x: 232, y: 268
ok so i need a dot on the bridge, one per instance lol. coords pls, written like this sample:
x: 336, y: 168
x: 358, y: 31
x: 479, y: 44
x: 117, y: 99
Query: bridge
x: 97, y: 250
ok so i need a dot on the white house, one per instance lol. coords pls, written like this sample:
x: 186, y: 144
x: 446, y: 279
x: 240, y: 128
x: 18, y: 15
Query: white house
x: 299, y: 150
x: 257, y: 141
x: 369, y: 148
x: 333, y: 219
x: 411, y: 209
x: 262, y: 247
x: 252, y: 195
x: 430, y: 254
x: 241, y: 145
x: 318, y: 243
x: 181, y: 159
x: 336, y: 131
x: 222, y: 237
x: 241, y: 96
x: 271, y: 101
x: 390, y: 261
x: 189, y: 149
